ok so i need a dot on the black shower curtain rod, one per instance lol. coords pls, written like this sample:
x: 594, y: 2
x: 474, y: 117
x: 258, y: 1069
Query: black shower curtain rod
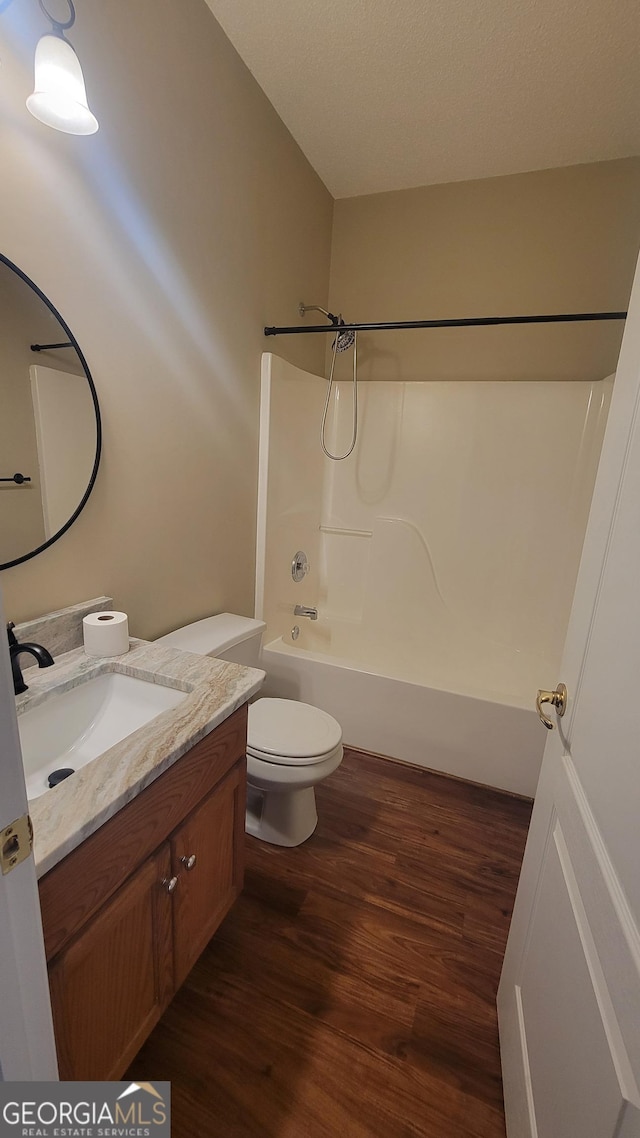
x: 466, y: 322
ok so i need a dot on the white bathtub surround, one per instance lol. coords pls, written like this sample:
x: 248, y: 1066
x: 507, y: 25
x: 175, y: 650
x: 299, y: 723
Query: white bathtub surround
x: 443, y: 557
x: 67, y: 814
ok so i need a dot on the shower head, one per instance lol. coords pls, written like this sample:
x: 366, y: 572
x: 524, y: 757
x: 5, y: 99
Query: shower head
x: 344, y: 340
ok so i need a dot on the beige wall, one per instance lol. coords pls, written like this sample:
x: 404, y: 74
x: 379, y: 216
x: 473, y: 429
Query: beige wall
x: 167, y: 241
x: 551, y: 241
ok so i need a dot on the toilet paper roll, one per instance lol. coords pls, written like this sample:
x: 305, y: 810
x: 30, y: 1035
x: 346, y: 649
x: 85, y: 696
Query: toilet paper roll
x: 106, y: 633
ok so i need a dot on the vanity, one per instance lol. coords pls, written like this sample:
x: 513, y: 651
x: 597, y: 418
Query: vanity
x: 127, y: 914
x: 139, y: 853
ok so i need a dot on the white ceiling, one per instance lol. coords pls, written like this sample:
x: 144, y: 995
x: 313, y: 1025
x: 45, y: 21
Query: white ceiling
x: 388, y: 94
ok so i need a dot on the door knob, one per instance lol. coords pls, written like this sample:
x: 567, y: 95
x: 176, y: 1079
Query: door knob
x: 557, y: 698
x: 188, y: 861
x: 169, y: 883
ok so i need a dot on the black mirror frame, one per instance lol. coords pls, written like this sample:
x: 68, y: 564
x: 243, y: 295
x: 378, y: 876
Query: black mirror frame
x: 27, y: 556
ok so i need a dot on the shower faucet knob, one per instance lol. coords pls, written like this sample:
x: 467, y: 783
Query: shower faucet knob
x: 299, y: 566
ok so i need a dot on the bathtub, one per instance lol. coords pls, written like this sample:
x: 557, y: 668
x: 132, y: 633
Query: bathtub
x: 474, y: 734
x: 442, y: 580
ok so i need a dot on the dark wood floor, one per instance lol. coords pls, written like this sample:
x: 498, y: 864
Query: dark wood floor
x: 351, y: 991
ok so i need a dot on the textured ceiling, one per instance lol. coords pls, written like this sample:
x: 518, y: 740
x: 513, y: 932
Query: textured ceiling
x: 388, y: 94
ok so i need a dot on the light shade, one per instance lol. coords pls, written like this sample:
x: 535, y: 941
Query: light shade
x: 59, y: 99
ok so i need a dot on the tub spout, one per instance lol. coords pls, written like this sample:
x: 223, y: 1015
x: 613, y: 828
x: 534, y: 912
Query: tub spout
x: 303, y: 610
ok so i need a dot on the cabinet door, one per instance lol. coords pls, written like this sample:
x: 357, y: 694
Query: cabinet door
x: 112, y: 983
x: 208, y: 859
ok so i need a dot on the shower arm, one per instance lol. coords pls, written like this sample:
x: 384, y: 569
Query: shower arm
x: 304, y: 308
x: 466, y: 322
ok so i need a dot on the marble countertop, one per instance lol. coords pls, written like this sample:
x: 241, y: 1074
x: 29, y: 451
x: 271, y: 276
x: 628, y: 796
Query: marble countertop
x: 68, y: 813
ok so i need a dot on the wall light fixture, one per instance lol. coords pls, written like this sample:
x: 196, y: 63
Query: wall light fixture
x: 59, y: 98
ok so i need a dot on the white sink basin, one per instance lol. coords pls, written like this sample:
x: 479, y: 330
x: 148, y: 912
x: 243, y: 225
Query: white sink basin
x: 74, y: 727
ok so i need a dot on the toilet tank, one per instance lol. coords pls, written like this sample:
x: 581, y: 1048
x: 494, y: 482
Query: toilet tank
x: 226, y: 636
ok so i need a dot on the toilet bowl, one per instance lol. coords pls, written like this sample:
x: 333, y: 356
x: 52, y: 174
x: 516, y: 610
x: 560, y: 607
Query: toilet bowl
x: 291, y: 746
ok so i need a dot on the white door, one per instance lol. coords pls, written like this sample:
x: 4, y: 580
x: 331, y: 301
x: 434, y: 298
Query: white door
x: 27, y: 1048
x: 569, y: 998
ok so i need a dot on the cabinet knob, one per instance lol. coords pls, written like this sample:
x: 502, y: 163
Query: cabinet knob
x: 188, y: 861
x: 169, y: 883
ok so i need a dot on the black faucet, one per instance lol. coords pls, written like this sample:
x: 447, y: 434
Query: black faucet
x: 44, y: 658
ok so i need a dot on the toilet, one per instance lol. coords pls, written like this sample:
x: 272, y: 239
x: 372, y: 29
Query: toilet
x: 291, y: 746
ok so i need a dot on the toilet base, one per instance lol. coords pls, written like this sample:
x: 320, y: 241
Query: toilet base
x: 281, y: 818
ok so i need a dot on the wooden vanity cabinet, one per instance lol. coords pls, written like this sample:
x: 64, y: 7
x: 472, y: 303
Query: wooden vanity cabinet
x: 127, y: 914
x: 112, y: 982
x: 204, y: 857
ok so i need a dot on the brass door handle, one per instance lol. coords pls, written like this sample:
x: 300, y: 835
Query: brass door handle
x: 557, y: 698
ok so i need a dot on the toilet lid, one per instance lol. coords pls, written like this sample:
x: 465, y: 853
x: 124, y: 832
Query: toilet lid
x: 291, y: 730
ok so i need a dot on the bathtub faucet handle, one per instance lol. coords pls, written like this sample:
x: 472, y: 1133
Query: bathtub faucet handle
x: 304, y: 610
x: 300, y: 566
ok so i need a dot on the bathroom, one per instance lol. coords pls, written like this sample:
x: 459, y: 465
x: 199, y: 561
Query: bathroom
x: 189, y: 222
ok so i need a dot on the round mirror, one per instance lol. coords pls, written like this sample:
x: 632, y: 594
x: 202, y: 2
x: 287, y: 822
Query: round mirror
x: 50, y: 434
